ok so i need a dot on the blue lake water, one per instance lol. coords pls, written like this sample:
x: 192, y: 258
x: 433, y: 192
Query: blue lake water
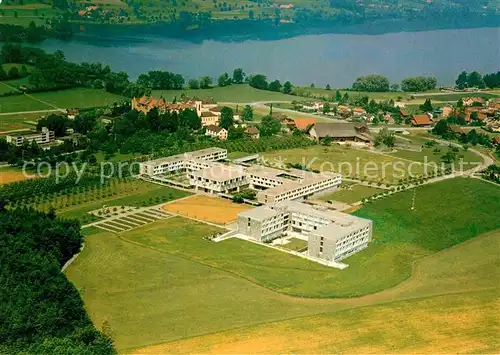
x: 335, y: 59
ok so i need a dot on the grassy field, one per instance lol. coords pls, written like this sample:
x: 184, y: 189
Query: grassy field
x: 348, y: 161
x: 431, y: 325
x: 352, y: 194
x: 172, y: 297
x: 321, y: 92
x: 400, y: 238
x: 16, y: 14
x: 14, y: 121
x: 21, y: 103
x: 235, y: 93
x: 295, y: 244
x: 79, y: 97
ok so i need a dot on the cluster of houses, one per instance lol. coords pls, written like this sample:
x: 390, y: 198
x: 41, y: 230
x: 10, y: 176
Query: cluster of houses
x: 473, y: 109
x: 348, y: 112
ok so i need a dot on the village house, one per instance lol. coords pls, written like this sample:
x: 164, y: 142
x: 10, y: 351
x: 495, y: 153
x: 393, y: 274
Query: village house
x: 216, y: 132
x: 447, y: 111
x: 341, y: 132
x: 304, y: 124
x: 422, y: 120
x: 72, y: 113
x: 469, y: 101
x: 253, y: 132
x: 358, y: 111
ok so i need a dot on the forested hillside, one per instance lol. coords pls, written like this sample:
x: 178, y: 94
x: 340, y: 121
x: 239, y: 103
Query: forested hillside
x: 41, y: 312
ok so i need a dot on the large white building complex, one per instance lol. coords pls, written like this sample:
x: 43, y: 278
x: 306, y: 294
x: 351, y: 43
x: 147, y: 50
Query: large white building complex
x: 331, y: 235
x: 205, y: 172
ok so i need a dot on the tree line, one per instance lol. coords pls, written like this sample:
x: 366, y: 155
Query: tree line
x: 477, y: 80
x: 41, y: 311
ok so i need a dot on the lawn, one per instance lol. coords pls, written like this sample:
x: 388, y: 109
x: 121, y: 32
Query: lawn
x: 21, y: 103
x: 351, y: 162
x: 235, y: 93
x: 351, y: 194
x: 5, y: 88
x: 79, y: 98
x: 16, y: 121
x: 295, y: 244
x: 462, y: 323
x: 400, y: 238
x: 156, y: 294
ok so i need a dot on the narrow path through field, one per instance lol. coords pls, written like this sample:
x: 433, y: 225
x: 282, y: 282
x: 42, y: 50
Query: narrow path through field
x: 44, y: 102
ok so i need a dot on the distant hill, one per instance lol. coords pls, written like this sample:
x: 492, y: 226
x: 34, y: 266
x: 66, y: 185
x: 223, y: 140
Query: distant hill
x: 192, y: 14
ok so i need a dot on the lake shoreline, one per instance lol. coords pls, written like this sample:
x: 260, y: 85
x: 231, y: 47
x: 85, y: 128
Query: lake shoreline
x: 245, y: 30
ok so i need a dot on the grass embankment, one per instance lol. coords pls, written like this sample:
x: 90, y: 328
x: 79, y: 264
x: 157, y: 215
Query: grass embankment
x: 351, y: 194
x: 169, y: 296
x: 242, y: 93
x: 71, y: 98
x: 401, y: 236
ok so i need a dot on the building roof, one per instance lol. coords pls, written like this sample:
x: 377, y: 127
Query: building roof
x: 215, y: 129
x: 340, y: 130
x: 220, y: 172
x: 421, y: 120
x: 259, y: 213
x: 208, y: 114
x: 252, y: 130
x: 184, y: 156
x: 304, y: 123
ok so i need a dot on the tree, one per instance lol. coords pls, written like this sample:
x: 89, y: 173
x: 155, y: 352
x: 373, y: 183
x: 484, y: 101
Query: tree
x: 287, y: 88
x: 194, y: 84
x: 238, y: 76
x: 442, y: 128
x: 395, y: 87
x: 338, y: 96
x: 385, y: 137
x: 3, y: 74
x: 269, y: 126
x: 205, y: 82
x: 224, y: 80
x: 327, y: 87
x: 236, y: 133
x: 371, y: 83
x: 259, y: 81
x: 461, y: 81
x: 326, y: 141
x: 13, y: 73
x: 251, y: 15
x: 418, y: 84
x: 475, y: 79
x: 247, y: 113
x: 226, y: 118
x: 426, y: 106
x: 326, y: 107
x: 275, y: 86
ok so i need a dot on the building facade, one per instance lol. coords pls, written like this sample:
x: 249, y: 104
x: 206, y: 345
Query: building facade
x: 331, y: 235
x: 43, y: 137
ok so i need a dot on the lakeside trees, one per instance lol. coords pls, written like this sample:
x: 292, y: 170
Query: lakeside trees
x: 371, y: 83
x: 418, y: 83
x: 476, y: 80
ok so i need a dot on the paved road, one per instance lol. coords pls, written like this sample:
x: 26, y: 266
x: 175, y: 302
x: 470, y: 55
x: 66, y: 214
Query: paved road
x: 28, y: 112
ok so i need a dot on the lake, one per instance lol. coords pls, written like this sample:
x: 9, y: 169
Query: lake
x: 335, y: 59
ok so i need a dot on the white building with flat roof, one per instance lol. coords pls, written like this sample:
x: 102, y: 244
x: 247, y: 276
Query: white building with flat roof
x: 276, y: 185
x: 332, y: 235
x: 43, y: 137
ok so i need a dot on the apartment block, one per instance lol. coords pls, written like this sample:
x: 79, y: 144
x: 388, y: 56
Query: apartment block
x: 277, y: 185
x: 182, y: 162
x: 332, y: 235
x: 43, y: 137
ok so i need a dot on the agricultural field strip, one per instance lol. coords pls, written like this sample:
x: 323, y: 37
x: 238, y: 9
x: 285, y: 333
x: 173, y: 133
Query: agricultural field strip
x: 120, y: 222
